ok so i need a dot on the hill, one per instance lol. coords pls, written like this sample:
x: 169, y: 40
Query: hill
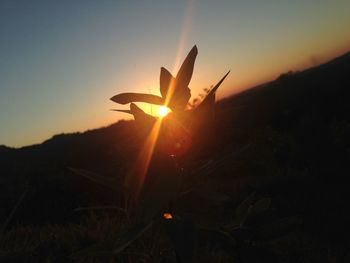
x: 287, y: 140
x: 4, y: 148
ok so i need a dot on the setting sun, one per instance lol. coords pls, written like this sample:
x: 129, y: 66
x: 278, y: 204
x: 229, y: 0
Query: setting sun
x: 163, y: 111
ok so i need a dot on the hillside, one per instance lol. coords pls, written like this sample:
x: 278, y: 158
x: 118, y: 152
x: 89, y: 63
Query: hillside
x: 287, y: 140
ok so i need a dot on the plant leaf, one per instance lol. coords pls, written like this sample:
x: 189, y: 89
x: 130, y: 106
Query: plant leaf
x: 124, y: 111
x: 179, y: 96
x: 276, y: 229
x: 14, y: 209
x: 140, y: 114
x: 181, y: 93
x: 143, y: 120
x: 260, y: 206
x: 242, y: 210
x: 183, y: 235
x: 130, y: 235
x: 164, y: 81
x: 125, y: 98
x: 217, y: 238
x: 206, y: 109
x: 93, y: 251
x: 102, y: 180
x: 185, y: 72
x: 161, y: 187
x: 214, y: 89
x: 208, y: 194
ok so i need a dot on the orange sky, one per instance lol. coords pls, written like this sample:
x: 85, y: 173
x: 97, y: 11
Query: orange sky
x: 61, y: 62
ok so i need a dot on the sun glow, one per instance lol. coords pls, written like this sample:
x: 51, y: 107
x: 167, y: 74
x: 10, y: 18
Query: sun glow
x: 163, y: 111
x: 167, y: 216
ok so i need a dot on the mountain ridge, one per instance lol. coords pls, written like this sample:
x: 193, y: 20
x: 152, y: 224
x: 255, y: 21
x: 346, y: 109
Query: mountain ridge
x: 344, y: 58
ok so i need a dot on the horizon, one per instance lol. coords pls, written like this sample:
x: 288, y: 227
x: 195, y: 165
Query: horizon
x: 62, y: 62
x: 131, y: 119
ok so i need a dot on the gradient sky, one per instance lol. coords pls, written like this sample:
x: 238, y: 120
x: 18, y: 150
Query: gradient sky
x: 61, y: 61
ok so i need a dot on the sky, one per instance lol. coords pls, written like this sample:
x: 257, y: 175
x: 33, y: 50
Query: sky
x: 61, y: 61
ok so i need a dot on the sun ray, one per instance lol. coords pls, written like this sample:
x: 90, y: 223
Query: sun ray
x: 146, y: 153
x: 181, y: 46
x: 163, y: 111
x: 144, y: 159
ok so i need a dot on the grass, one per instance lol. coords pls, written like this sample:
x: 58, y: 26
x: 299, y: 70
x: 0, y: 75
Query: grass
x: 212, y: 190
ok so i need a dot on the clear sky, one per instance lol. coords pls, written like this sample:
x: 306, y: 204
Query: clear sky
x: 61, y: 61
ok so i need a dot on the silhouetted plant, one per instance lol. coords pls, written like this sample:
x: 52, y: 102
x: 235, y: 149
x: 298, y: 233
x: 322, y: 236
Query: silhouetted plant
x: 174, y: 137
x: 181, y: 126
x: 158, y: 176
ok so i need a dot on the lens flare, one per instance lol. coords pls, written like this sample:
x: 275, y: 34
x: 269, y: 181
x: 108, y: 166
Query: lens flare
x: 167, y: 216
x: 163, y: 111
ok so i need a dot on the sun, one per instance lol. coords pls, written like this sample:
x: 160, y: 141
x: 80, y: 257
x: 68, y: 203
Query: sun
x: 163, y: 111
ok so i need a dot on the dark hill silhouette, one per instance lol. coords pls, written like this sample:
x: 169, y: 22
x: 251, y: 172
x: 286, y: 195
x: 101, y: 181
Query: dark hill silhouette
x: 287, y: 139
x: 290, y: 93
x: 4, y: 148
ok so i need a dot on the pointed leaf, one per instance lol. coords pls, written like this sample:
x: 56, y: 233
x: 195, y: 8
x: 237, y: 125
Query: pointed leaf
x: 242, y: 210
x: 92, y: 251
x: 179, y: 99
x: 184, y: 74
x: 277, y: 228
x: 124, y: 111
x: 140, y: 116
x: 14, y: 209
x: 125, y: 98
x: 260, y: 206
x: 216, y: 238
x: 136, y: 110
x: 207, y: 193
x: 181, y: 94
x: 206, y: 109
x: 214, y: 89
x: 107, y: 207
x: 131, y: 235
x: 183, y: 235
x: 242, y: 234
x: 165, y: 80
x: 102, y: 180
x: 207, y: 106
x: 160, y: 187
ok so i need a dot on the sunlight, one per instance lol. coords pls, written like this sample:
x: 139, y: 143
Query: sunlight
x: 167, y: 216
x: 163, y: 111
x: 142, y: 164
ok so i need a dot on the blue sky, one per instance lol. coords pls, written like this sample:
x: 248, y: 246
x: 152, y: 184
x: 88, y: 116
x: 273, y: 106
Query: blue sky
x: 61, y: 61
